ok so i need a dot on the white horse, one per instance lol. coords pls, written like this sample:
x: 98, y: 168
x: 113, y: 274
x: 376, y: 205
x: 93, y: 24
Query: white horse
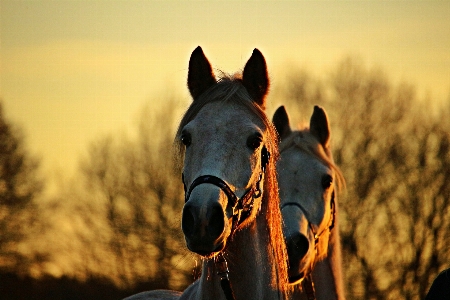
x: 232, y: 208
x: 309, y: 181
x: 232, y: 214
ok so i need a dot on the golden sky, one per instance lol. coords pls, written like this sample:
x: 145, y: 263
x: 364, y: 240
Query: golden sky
x: 71, y: 71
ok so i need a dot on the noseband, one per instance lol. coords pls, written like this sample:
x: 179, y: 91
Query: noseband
x: 241, y: 208
x: 307, y: 283
x: 330, y: 222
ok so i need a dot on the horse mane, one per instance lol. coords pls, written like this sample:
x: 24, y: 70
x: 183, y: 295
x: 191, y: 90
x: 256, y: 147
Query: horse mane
x: 230, y: 89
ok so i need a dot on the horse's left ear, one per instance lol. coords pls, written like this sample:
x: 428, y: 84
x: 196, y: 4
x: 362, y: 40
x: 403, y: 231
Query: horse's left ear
x: 255, y: 78
x: 319, y: 126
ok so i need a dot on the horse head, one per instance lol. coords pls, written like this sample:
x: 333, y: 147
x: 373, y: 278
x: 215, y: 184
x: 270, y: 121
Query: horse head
x: 226, y: 141
x: 307, y: 179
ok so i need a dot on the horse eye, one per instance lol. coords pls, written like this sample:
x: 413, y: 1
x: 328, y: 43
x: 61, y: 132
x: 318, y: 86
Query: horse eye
x: 254, y: 141
x: 186, y: 138
x: 327, y: 180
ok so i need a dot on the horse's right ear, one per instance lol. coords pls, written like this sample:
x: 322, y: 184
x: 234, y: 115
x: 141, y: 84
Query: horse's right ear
x: 281, y: 122
x: 320, y: 127
x: 200, y: 74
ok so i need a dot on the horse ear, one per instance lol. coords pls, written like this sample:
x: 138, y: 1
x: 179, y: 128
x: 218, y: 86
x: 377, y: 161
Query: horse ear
x: 255, y: 78
x: 319, y: 126
x: 281, y: 121
x: 200, y: 74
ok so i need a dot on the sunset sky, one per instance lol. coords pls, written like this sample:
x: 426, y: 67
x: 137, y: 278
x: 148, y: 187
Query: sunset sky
x: 72, y: 71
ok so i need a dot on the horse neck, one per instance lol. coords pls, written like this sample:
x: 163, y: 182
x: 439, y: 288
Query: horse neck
x: 327, y: 274
x: 251, y: 262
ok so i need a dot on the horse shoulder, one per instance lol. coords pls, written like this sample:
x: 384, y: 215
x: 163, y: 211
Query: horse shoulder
x: 155, y: 295
x: 190, y: 292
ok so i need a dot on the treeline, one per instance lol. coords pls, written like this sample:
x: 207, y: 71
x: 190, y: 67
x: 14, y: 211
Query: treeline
x: 118, y: 219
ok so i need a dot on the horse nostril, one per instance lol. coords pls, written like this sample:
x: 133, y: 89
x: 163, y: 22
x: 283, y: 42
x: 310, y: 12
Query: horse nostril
x: 297, y: 246
x: 216, y: 221
x: 188, y: 221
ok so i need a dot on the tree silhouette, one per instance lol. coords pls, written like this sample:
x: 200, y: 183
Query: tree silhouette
x: 19, y: 187
x: 137, y: 182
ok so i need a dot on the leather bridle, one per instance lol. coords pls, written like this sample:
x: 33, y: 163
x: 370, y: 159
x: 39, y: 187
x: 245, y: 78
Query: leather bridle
x: 241, y: 210
x: 241, y: 207
x: 330, y: 222
x: 307, y: 281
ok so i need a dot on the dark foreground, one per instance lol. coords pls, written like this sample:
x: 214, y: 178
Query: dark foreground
x: 13, y: 287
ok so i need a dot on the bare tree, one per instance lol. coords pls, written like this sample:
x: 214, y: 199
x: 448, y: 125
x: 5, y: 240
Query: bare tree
x: 19, y: 186
x: 136, y: 180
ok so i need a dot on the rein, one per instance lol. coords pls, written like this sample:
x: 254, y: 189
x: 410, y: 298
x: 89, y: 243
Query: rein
x: 307, y: 282
x: 241, y: 208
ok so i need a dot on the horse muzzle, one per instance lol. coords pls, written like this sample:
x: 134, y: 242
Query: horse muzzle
x: 297, y: 248
x: 204, y: 222
x: 297, y: 243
